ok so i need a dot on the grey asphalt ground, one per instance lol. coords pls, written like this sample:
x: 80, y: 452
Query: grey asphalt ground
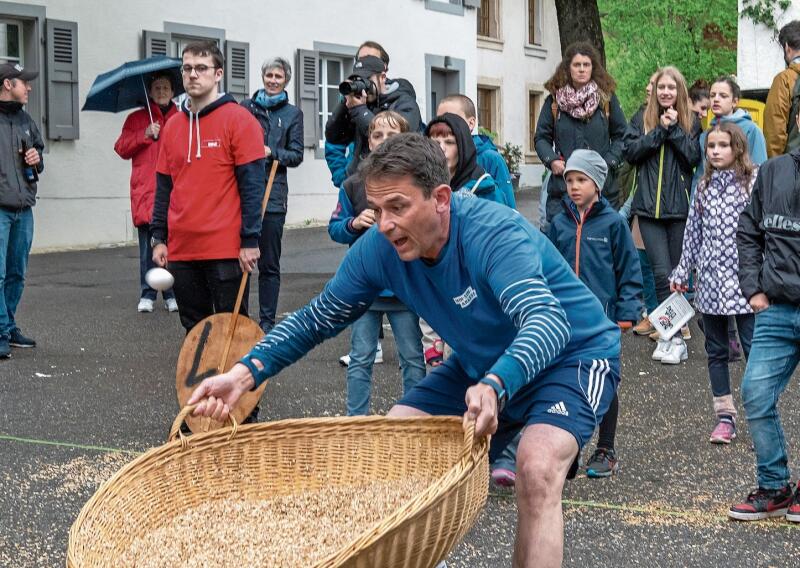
x: 100, y: 387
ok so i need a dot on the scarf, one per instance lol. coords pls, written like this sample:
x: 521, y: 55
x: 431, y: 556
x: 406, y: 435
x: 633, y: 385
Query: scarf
x: 270, y: 101
x: 579, y: 104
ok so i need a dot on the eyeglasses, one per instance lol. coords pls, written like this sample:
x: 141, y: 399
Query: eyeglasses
x: 199, y: 69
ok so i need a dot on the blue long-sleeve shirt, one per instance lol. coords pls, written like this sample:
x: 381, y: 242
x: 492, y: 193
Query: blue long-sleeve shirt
x: 499, y: 293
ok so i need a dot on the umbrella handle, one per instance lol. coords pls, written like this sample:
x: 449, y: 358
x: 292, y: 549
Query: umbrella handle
x: 147, y: 103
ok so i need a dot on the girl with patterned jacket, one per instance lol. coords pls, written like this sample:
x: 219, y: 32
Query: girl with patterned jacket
x: 709, y: 248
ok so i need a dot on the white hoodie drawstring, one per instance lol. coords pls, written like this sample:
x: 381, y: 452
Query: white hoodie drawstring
x: 189, y: 152
x: 197, y: 122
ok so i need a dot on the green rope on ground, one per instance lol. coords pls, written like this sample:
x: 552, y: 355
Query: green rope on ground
x: 67, y: 445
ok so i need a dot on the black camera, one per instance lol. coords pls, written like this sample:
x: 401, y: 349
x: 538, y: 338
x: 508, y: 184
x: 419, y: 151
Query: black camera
x: 355, y: 85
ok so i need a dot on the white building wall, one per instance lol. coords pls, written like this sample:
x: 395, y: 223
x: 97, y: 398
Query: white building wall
x: 517, y: 68
x: 759, y: 56
x: 84, y: 192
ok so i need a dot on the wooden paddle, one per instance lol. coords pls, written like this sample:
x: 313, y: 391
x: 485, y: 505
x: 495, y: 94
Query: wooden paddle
x: 213, y: 342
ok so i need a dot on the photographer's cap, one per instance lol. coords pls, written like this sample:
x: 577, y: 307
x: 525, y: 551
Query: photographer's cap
x: 590, y: 163
x: 368, y: 66
x: 9, y: 71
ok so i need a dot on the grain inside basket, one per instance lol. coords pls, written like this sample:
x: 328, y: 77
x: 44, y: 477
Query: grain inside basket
x: 293, y: 530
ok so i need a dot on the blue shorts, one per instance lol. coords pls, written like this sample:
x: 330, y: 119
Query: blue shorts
x: 572, y: 396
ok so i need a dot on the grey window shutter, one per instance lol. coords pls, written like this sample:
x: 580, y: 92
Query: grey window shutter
x: 62, y: 80
x: 237, y: 67
x: 157, y: 43
x: 472, y: 3
x: 307, y: 82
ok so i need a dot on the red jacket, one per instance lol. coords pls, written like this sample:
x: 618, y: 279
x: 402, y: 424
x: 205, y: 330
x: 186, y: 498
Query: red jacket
x: 132, y: 144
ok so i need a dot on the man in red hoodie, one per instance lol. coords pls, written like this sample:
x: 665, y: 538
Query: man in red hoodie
x: 209, y: 188
x: 139, y: 143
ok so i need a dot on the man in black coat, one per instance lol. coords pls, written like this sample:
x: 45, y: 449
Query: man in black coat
x: 350, y: 120
x: 21, y: 148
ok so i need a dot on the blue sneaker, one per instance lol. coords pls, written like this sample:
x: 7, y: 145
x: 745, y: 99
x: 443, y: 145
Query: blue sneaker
x: 603, y: 463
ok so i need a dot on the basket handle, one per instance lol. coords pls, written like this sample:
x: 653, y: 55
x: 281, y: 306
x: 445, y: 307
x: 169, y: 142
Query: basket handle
x: 175, y: 430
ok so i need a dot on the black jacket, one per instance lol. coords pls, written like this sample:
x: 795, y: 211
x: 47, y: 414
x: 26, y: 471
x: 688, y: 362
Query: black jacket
x: 665, y: 159
x: 283, y: 133
x: 769, y: 233
x: 557, y: 139
x: 352, y: 125
x: 16, y: 126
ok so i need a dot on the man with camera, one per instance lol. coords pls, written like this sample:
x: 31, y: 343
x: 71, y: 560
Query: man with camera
x: 365, y: 93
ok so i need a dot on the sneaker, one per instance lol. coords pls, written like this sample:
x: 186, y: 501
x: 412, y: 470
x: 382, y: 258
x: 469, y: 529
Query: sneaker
x: 171, y: 305
x: 644, y: 327
x: 686, y: 332
x: 18, y: 340
x: 603, y: 463
x: 145, y: 306
x: 504, y: 477
x: 344, y: 360
x: 5, y: 348
x: 724, y: 433
x: 734, y: 351
x: 763, y: 504
x: 793, y: 513
x: 676, y: 353
x: 662, y: 347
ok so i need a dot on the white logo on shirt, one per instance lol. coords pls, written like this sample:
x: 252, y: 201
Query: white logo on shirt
x: 558, y: 408
x: 466, y: 298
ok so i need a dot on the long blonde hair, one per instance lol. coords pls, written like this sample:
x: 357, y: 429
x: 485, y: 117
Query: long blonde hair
x: 652, y: 113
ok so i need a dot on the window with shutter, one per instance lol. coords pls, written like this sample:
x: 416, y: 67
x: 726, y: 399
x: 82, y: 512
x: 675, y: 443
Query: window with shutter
x: 237, y: 65
x: 308, y: 95
x: 62, y: 80
x: 157, y: 43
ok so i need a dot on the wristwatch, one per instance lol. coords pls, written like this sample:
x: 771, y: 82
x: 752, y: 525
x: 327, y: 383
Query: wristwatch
x: 502, y: 395
x: 156, y: 241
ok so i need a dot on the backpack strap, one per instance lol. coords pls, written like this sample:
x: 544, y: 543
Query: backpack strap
x: 792, y: 133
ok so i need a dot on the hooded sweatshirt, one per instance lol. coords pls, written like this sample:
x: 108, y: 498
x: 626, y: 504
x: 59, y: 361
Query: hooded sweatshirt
x: 756, y: 144
x: 211, y: 182
x: 469, y: 178
x: 494, y: 164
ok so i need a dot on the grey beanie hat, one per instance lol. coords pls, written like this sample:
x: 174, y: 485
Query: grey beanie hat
x: 590, y: 163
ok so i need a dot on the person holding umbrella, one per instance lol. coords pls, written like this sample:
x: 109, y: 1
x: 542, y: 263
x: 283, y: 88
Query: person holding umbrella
x: 139, y: 142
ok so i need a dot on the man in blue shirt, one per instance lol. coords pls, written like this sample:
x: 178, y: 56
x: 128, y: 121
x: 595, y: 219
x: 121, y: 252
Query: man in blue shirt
x: 532, y: 346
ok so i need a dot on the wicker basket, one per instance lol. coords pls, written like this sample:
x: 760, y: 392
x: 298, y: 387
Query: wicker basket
x: 264, y: 460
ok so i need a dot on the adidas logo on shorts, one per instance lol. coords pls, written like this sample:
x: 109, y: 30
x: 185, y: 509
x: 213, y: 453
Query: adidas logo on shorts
x: 558, y: 408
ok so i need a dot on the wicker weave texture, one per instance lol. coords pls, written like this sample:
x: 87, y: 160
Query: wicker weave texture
x: 260, y: 461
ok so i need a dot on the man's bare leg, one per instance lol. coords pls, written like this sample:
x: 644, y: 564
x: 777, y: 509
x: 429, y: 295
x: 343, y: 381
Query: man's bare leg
x: 543, y: 459
x: 401, y: 411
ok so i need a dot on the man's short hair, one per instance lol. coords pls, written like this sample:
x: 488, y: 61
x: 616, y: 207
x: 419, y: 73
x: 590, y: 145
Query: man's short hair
x: 205, y: 48
x: 790, y: 35
x: 379, y: 47
x: 392, y: 118
x: 277, y: 63
x: 407, y: 155
x: 466, y: 104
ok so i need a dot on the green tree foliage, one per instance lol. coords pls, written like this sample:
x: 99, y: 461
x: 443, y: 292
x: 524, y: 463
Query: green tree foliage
x: 696, y: 36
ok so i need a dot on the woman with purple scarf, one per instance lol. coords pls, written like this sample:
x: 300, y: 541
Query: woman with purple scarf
x: 581, y: 111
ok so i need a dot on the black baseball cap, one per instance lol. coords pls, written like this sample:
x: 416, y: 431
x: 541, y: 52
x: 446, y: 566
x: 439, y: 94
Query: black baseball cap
x: 15, y: 71
x: 368, y: 66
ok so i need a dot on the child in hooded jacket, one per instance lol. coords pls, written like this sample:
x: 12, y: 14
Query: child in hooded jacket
x: 596, y: 242
x: 709, y: 247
